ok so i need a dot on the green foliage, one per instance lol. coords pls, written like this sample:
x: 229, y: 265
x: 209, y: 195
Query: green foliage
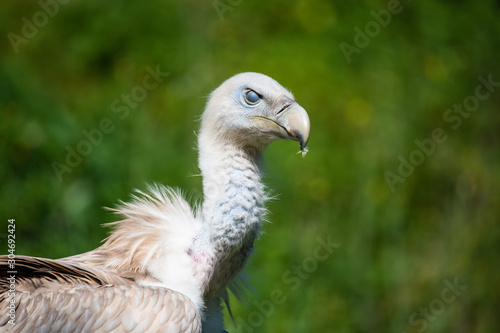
x: 397, y: 248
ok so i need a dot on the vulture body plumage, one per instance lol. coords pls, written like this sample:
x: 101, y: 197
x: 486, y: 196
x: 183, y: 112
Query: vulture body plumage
x: 166, y: 267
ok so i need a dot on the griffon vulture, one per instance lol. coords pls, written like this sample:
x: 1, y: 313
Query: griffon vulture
x: 166, y: 266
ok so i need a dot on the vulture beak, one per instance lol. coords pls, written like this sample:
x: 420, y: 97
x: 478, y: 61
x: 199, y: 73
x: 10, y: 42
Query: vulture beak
x: 288, y: 121
x: 292, y: 118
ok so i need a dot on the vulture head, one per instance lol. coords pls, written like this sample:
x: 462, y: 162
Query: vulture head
x: 252, y: 110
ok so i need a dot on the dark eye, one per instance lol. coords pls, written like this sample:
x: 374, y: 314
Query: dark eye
x: 251, y: 97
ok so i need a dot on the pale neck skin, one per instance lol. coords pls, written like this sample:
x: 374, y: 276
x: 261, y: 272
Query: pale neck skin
x: 231, y: 212
x: 243, y: 115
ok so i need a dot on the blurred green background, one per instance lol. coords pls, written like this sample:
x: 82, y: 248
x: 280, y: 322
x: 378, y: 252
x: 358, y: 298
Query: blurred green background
x: 398, y: 246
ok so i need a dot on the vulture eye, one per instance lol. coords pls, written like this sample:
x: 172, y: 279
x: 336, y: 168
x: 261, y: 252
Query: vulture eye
x: 251, y: 97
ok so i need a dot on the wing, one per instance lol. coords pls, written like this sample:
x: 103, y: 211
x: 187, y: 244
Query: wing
x: 122, y: 308
x: 56, y: 296
x: 33, y: 273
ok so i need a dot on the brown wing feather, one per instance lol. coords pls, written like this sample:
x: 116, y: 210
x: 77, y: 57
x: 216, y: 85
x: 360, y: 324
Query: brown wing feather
x: 40, y: 273
x: 63, y: 296
x: 122, y: 308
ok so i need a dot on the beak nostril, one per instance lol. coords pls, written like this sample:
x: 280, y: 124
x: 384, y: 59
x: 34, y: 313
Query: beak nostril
x: 283, y: 109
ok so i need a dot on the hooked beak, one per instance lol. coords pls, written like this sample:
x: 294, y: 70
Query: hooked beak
x: 288, y: 121
x: 295, y: 121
